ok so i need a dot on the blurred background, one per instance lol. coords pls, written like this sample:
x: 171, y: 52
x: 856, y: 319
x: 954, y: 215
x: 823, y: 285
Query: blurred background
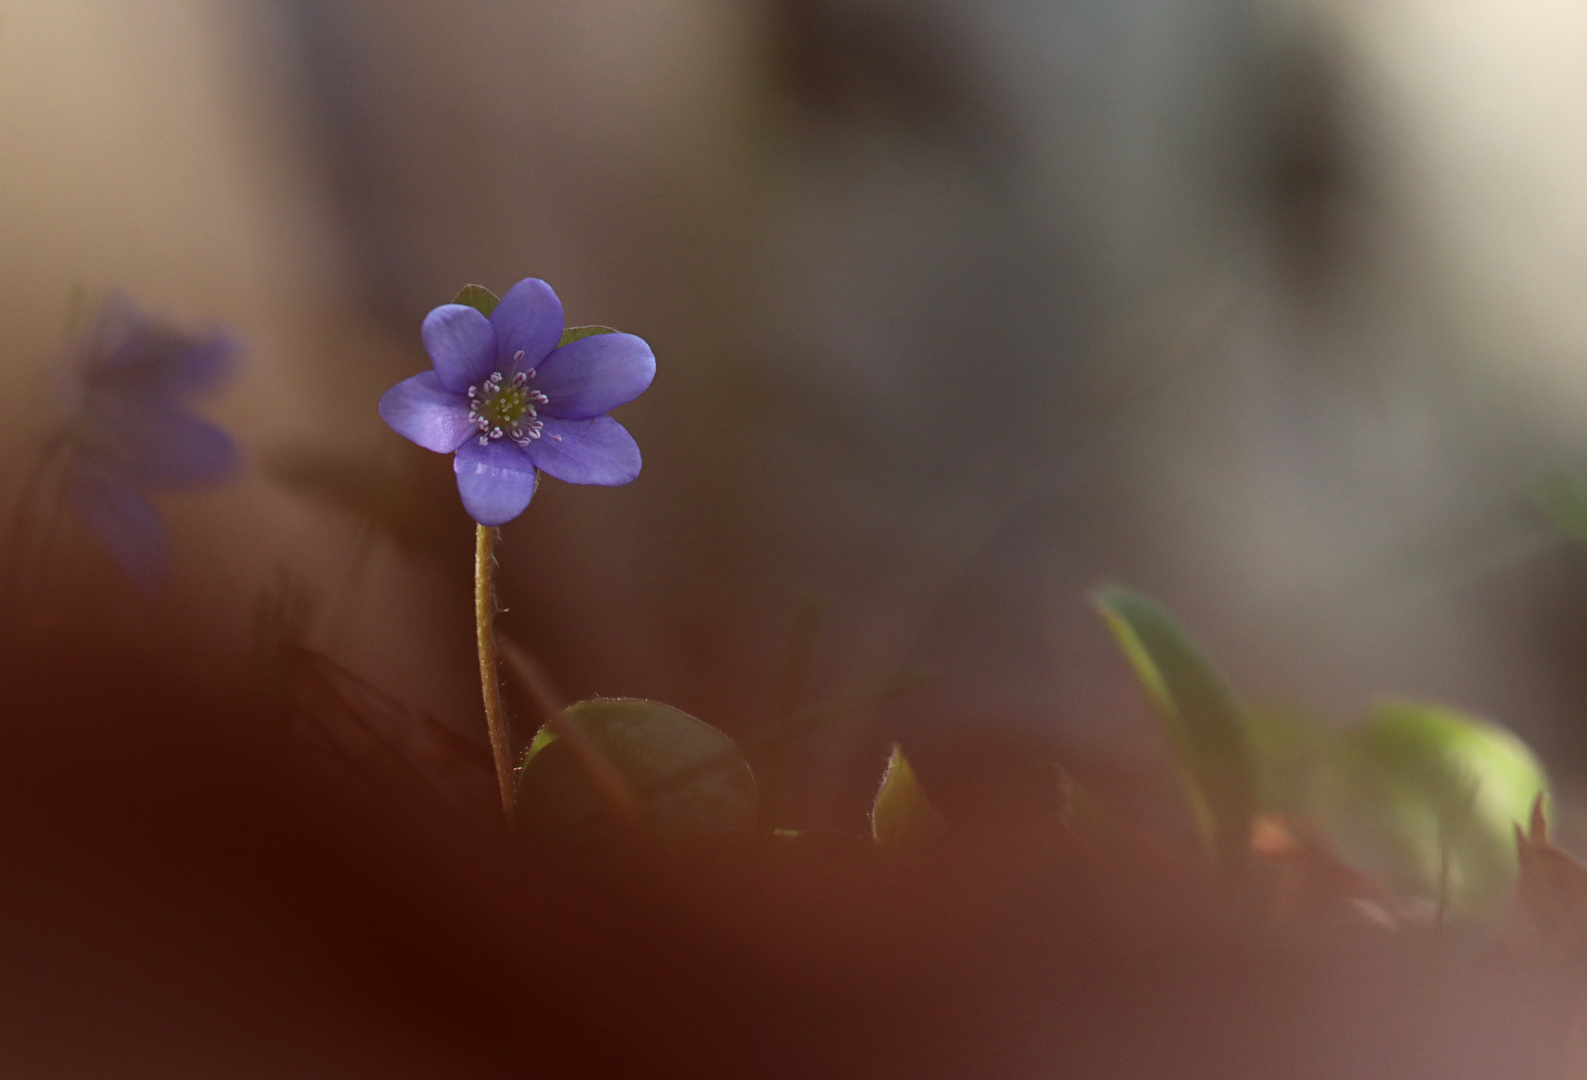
x: 1270, y: 308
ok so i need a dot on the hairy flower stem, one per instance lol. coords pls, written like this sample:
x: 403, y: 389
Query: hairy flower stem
x: 489, y: 679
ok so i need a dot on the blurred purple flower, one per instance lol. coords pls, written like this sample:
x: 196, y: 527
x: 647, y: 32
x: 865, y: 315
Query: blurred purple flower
x: 131, y: 432
x: 509, y: 401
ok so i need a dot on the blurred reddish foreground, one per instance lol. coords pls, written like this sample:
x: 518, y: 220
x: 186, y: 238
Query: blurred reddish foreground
x: 189, y: 890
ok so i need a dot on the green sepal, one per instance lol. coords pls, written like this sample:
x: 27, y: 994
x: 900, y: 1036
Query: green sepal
x: 479, y: 298
x: 574, y: 333
x: 1562, y: 497
x: 902, y: 817
x: 1206, y: 723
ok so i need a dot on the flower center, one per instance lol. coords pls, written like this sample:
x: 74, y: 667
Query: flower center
x: 505, y: 409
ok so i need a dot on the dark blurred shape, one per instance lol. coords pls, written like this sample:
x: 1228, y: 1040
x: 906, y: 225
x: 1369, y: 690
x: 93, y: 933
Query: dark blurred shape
x: 896, y: 64
x: 366, y: 733
x: 992, y: 776
x: 391, y: 491
x: 130, y: 432
x: 184, y: 895
x: 1312, y: 167
x: 1551, y: 894
x: 187, y: 892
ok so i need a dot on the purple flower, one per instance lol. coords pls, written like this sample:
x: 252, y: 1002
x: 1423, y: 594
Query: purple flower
x: 131, y: 432
x: 509, y: 400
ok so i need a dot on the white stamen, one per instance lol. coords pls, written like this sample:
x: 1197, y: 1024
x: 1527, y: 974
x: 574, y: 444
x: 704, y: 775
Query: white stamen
x: 517, y: 356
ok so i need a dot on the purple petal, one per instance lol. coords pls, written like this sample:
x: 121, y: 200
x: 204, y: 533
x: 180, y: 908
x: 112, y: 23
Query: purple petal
x: 166, y: 361
x: 496, y: 480
x: 594, y: 375
x: 204, y: 365
x: 129, y: 350
x: 116, y: 324
x: 595, y: 451
x: 422, y: 410
x: 528, y: 320
x: 461, y: 344
x: 151, y: 439
x: 124, y: 523
x: 179, y: 449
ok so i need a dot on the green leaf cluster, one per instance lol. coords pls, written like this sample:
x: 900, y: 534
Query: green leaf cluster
x: 1420, y: 796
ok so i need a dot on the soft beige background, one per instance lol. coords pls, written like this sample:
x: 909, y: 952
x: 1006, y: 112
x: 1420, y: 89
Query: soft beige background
x: 819, y: 287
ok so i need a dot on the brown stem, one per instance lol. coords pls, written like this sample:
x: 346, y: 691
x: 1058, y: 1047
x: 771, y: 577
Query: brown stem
x: 489, y: 679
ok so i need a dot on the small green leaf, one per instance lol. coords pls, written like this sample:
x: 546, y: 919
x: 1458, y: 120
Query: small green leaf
x: 1562, y: 497
x: 1427, y: 799
x: 478, y: 297
x: 902, y: 818
x: 543, y: 738
x: 1206, y: 723
x: 574, y: 333
x: 681, y: 776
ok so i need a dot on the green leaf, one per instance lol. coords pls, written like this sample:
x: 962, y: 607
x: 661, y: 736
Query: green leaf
x: 574, y: 333
x: 1562, y: 497
x: 902, y: 818
x: 478, y: 297
x: 1206, y: 724
x: 675, y: 775
x: 1427, y: 799
x: 543, y: 738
